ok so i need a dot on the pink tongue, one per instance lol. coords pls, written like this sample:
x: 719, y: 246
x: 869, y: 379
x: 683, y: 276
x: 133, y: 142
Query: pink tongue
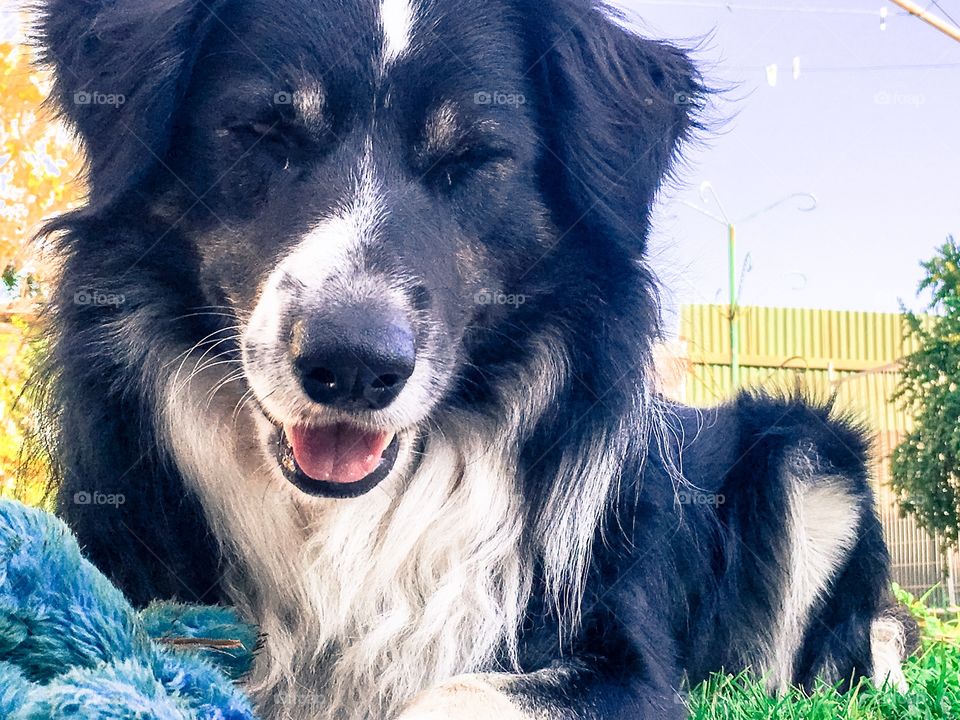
x: 337, y: 453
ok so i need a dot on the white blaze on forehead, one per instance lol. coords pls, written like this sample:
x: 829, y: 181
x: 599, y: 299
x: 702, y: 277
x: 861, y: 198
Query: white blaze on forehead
x: 335, y: 243
x: 396, y: 21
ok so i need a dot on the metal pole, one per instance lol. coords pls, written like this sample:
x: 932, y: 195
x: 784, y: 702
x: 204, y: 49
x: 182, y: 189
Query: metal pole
x: 734, y: 310
x: 723, y: 219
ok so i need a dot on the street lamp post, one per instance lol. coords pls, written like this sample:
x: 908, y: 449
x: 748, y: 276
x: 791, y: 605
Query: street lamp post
x: 734, y: 307
x: 734, y: 316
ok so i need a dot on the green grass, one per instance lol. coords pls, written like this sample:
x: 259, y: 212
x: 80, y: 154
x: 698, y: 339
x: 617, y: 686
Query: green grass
x: 934, y: 680
x: 933, y: 676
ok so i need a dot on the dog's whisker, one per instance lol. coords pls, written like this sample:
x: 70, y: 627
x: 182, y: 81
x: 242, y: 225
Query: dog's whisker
x: 211, y: 362
x: 242, y: 404
x: 210, y: 345
x: 229, y: 379
x: 185, y: 355
x: 199, y: 370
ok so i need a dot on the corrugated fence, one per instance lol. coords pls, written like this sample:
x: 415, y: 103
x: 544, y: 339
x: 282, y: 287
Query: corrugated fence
x: 852, y: 354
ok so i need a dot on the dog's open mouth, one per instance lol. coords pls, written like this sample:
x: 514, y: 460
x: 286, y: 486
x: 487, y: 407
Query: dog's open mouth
x: 339, y: 460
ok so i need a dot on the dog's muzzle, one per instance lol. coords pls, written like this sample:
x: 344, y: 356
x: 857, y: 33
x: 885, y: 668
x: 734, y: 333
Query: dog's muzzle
x: 353, y: 359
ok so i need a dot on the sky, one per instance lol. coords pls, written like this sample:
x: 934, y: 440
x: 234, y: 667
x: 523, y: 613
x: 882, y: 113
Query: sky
x: 871, y: 127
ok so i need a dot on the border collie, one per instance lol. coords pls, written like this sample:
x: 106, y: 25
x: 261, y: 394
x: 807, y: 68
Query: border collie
x: 357, y: 321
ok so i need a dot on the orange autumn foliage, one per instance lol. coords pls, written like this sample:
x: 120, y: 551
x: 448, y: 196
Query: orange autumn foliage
x: 39, y: 162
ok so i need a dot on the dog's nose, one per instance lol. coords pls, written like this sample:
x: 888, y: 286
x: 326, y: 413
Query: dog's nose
x: 354, y: 358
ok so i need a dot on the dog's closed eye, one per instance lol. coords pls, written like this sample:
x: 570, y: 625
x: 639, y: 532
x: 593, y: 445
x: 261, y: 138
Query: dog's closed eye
x: 462, y: 162
x: 286, y: 142
x: 262, y: 133
x: 453, y: 148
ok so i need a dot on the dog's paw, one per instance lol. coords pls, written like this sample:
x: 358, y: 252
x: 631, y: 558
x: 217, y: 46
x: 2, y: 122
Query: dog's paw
x: 468, y: 697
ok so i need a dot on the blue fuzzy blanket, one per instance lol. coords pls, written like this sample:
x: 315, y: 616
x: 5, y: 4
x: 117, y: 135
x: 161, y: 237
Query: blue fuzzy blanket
x: 71, y: 646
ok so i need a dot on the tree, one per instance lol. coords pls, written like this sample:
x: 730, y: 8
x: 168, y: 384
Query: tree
x: 38, y: 161
x: 926, y: 466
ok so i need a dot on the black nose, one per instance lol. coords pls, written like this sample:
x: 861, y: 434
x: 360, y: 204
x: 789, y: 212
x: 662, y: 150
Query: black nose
x: 355, y: 357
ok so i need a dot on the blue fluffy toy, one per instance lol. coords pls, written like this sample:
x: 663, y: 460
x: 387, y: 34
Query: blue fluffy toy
x: 71, y: 646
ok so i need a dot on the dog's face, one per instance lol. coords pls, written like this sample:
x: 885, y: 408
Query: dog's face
x: 367, y: 198
x: 382, y: 196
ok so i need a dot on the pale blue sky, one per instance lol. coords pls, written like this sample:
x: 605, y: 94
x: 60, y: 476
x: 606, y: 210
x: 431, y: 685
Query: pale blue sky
x: 876, y: 142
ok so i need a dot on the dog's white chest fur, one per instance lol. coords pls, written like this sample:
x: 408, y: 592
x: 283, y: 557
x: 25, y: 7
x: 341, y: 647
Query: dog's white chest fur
x: 365, y: 602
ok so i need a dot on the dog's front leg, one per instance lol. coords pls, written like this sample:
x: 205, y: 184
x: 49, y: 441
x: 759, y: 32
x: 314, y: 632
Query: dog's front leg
x: 569, y: 692
x: 468, y: 696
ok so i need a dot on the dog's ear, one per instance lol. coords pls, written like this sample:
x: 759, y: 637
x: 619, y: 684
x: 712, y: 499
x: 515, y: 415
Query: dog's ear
x: 614, y: 107
x: 120, y: 70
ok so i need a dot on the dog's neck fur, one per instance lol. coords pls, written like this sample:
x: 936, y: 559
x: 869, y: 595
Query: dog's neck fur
x: 364, y: 602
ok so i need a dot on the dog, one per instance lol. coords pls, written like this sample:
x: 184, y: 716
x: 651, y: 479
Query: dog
x: 357, y: 323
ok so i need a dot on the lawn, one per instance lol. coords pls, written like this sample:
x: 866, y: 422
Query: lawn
x: 933, y: 675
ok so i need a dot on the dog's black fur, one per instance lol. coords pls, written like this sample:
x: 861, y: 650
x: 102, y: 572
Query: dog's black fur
x: 689, y: 567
